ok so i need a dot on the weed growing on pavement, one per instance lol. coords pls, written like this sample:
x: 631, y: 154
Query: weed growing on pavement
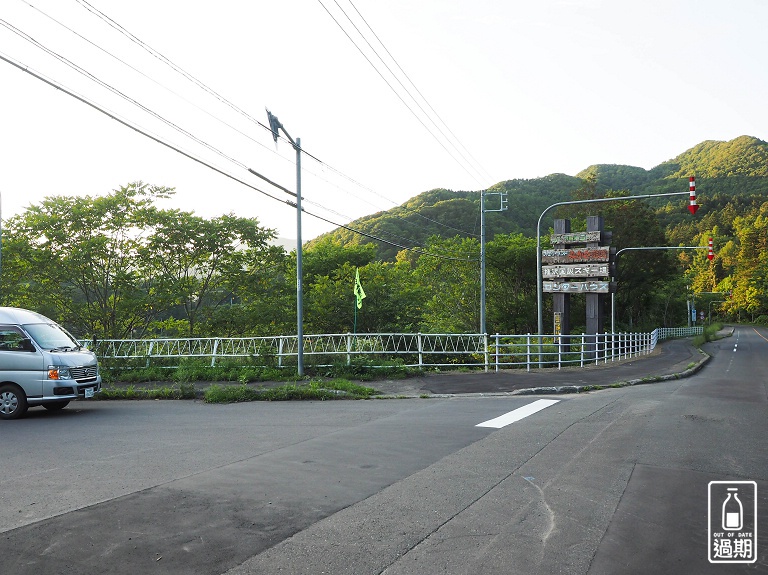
x: 315, y: 390
x: 132, y: 392
x: 709, y: 334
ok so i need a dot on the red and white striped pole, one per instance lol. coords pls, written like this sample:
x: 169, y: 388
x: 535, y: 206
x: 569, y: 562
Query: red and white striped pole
x: 692, y: 205
x: 711, y: 251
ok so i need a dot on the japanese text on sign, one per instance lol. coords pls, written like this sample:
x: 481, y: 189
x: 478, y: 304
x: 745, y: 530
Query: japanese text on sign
x: 575, y: 255
x: 575, y: 271
x: 575, y: 238
x: 577, y: 287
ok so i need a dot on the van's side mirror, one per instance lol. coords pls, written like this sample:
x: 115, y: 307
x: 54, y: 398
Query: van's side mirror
x: 27, y: 345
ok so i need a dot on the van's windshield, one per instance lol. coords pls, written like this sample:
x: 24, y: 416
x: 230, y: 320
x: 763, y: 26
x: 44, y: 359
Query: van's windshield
x: 51, y: 336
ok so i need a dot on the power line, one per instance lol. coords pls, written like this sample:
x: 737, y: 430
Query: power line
x: 398, y: 79
x: 485, y: 172
x: 161, y: 118
x: 379, y: 238
x: 159, y: 84
x: 167, y: 61
x: 407, y: 91
x: 415, y: 115
x: 117, y: 92
x: 156, y: 54
x: 189, y: 155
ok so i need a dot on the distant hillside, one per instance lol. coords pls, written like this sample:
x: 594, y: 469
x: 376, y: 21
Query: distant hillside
x: 726, y: 172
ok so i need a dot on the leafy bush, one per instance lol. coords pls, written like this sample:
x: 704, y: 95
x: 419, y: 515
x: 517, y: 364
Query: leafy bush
x: 709, y: 334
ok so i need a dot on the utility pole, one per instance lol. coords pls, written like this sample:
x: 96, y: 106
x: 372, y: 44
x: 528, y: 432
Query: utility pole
x: 502, y: 207
x: 275, y: 125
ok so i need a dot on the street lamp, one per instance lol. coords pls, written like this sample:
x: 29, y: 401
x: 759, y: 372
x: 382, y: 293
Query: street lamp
x: 275, y: 125
x: 539, y: 281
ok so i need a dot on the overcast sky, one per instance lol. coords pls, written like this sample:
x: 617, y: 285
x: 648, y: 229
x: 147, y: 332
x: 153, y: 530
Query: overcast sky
x: 511, y: 89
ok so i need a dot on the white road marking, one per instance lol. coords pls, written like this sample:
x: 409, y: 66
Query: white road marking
x: 518, y: 414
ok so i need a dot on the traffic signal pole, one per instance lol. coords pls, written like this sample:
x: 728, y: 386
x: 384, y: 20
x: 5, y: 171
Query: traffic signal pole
x: 539, y: 281
x: 616, y: 270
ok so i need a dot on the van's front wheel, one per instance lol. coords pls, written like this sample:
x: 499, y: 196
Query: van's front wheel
x: 13, y: 402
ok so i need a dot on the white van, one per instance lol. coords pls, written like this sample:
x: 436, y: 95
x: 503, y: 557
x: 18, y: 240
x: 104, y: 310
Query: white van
x: 41, y: 364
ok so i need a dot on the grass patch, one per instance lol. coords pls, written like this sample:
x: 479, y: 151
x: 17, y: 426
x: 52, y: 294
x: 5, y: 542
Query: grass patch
x: 312, y: 390
x: 131, y: 392
x: 195, y: 370
x: 709, y: 334
x: 592, y: 388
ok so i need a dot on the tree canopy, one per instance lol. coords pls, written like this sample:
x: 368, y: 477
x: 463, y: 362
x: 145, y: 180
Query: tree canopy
x: 117, y: 266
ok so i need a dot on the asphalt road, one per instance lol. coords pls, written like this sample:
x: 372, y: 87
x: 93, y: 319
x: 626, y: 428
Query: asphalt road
x: 613, y: 481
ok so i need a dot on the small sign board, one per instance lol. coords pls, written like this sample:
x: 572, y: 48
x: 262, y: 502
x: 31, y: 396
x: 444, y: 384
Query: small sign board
x: 575, y: 271
x: 575, y: 238
x: 576, y: 255
x: 594, y: 286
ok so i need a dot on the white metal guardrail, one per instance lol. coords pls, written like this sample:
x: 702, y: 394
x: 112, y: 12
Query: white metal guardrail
x: 673, y: 332
x: 421, y: 350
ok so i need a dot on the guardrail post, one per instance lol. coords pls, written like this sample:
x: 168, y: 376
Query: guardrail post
x: 280, y: 352
x: 597, y: 355
x: 621, y: 346
x: 215, y: 349
x: 149, y: 351
x: 528, y: 352
x: 349, y: 348
x: 421, y: 349
x: 496, y: 351
x: 582, y: 348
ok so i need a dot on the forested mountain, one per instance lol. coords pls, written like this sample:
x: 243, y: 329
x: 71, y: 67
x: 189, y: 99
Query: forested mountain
x: 135, y: 270
x: 731, y: 178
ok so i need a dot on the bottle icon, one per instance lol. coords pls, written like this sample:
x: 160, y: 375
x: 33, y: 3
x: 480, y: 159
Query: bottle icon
x: 733, y: 511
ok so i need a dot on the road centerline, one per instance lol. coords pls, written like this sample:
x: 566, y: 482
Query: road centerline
x: 518, y: 414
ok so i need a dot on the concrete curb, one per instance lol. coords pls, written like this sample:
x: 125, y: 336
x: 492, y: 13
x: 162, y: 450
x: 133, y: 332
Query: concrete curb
x: 651, y: 379
x: 566, y: 389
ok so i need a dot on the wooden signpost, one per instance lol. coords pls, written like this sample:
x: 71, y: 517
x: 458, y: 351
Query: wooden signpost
x: 582, y: 269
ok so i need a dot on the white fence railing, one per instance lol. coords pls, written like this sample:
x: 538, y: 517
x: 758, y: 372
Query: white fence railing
x: 408, y: 349
x: 673, y: 332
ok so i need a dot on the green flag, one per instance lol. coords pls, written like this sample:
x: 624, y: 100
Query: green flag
x: 359, y: 293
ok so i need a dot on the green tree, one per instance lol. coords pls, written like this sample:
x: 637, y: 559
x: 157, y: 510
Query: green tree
x: 392, y: 303
x: 511, y: 284
x: 453, y: 282
x: 199, y: 262
x: 82, y: 257
x: 114, y: 266
x: 750, y: 287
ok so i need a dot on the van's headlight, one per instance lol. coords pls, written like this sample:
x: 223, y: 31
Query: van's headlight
x: 59, y: 372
